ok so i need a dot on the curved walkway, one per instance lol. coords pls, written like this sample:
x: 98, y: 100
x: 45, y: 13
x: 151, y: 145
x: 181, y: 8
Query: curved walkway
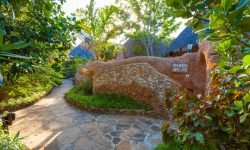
x: 53, y: 124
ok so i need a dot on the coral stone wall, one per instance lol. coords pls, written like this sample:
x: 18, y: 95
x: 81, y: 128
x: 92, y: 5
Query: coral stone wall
x: 147, y: 78
x: 139, y: 81
x: 196, y: 82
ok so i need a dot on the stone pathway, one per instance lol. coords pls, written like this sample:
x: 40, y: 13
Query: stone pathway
x: 53, y: 124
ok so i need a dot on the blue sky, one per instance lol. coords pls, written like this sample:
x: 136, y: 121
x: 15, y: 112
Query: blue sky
x: 71, y: 5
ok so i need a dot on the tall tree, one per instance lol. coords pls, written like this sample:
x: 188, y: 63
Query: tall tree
x: 153, y: 20
x: 101, y: 25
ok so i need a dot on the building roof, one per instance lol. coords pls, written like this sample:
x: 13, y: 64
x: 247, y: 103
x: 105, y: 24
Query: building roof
x: 82, y: 52
x: 187, y: 36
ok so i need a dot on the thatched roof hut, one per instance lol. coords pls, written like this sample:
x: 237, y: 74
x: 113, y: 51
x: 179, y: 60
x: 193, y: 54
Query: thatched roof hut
x: 180, y: 44
x: 81, y: 51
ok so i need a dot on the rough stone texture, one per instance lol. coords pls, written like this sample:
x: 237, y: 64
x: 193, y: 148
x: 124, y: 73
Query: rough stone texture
x: 207, y: 52
x: 198, y: 62
x: 52, y: 124
x: 138, y: 80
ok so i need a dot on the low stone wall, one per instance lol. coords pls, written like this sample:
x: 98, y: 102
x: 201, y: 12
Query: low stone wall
x: 198, y: 64
x: 139, y: 80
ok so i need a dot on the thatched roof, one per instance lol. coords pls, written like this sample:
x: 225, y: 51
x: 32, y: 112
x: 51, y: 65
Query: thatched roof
x: 187, y: 36
x: 82, y: 52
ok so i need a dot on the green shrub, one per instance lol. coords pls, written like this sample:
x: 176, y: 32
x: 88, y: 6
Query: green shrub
x: 87, y: 87
x: 219, y: 120
x: 169, y: 145
x: 104, y: 101
x: 28, y: 88
x: 139, y: 50
x: 10, y: 142
x: 74, y: 63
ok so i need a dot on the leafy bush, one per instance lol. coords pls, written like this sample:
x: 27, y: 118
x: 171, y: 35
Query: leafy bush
x: 28, y: 88
x: 74, y: 63
x: 105, y: 101
x: 220, y: 120
x: 10, y: 142
x: 86, y: 87
x: 170, y: 145
x: 139, y: 50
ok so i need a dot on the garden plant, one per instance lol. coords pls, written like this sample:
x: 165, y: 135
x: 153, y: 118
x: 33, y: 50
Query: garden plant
x: 221, y: 119
x: 36, y: 36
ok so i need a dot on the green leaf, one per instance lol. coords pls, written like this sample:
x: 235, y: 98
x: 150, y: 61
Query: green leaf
x: 208, y: 117
x: 216, y: 21
x: 4, y: 2
x: 194, y: 117
x: 246, y: 60
x: 246, y: 98
x: 237, y: 84
x: 196, y: 123
x: 243, y: 24
x: 239, y: 9
x: 235, y: 69
x: 226, y: 4
x: 183, y: 14
x: 176, y: 5
x: 229, y: 113
x: 246, y: 51
x: 243, y: 117
x: 56, y: 67
x: 199, y: 137
x: 238, y: 104
x: 186, y: 134
x: 16, y: 45
x: 1, y: 36
x: 13, y: 56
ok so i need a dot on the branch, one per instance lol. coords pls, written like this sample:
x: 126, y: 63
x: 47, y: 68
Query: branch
x: 246, y: 35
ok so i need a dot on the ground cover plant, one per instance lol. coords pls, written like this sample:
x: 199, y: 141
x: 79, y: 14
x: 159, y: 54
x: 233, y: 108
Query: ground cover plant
x: 10, y: 142
x: 83, y: 95
x: 26, y: 91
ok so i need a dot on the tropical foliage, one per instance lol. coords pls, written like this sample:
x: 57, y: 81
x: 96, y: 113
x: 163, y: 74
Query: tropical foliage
x: 9, y: 142
x: 34, y: 39
x: 221, y: 120
x: 82, y: 96
x: 101, y: 26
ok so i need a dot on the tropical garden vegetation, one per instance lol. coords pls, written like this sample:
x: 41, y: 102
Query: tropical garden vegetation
x: 83, y: 96
x: 35, y: 37
x: 220, y: 120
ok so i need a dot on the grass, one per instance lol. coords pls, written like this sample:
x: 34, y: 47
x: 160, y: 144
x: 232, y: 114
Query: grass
x: 104, y: 101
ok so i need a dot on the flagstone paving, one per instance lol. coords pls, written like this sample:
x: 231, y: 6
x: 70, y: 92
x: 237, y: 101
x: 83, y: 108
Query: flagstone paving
x: 53, y: 124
